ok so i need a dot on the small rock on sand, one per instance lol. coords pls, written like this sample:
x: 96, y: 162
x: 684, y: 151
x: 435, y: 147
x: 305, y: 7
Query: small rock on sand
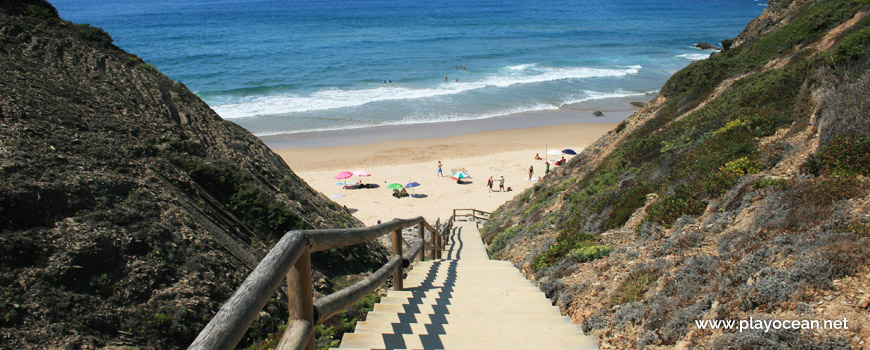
x: 598, y: 113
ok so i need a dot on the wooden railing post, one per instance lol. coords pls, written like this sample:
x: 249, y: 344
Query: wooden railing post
x: 438, y: 247
x: 397, y: 250
x: 300, y: 293
x: 422, y: 235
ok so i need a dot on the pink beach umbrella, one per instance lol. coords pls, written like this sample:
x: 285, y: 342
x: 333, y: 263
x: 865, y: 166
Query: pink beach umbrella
x: 343, y: 176
x: 361, y: 173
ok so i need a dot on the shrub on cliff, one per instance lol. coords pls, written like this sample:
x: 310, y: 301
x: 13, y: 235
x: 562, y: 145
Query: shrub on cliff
x: 841, y: 157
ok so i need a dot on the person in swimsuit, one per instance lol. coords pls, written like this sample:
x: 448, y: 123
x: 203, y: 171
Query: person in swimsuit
x: 440, y: 172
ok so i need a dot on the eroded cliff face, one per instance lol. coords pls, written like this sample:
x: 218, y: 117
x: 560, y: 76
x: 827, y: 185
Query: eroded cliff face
x: 129, y: 210
x: 741, y: 191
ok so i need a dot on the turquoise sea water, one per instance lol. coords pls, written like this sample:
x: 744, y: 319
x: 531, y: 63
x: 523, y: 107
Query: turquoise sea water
x: 280, y: 66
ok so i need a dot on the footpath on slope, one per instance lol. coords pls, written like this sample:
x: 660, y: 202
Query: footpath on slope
x: 466, y: 301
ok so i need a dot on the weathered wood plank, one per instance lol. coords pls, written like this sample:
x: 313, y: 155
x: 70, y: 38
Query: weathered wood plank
x: 300, y: 294
x: 422, y: 236
x: 397, y: 250
x: 337, y: 238
x: 297, y: 335
x: 228, y: 326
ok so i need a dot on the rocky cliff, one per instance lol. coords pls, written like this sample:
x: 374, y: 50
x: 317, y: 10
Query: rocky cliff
x: 740, y: 192
x: 129, y: 210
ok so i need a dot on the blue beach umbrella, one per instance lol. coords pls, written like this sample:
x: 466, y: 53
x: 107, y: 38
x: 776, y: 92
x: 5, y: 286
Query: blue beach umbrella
x: 569, y: 151
x: 412, y: 185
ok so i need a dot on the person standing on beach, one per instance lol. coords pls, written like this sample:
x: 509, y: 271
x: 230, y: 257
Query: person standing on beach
x: 548, y: 169
x: 489, y: 184
x: 501, y: 183
x: 531, y: 172
x: 440, y: 172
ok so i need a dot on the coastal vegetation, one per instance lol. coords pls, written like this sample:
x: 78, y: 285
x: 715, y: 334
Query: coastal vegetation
x: 736, y: 193
x: 129, y: 210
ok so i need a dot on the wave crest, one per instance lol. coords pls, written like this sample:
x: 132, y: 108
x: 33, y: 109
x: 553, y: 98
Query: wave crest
x: 335, y: 98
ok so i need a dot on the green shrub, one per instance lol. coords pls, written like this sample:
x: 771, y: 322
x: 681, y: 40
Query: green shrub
x: 775, y: 184
x: 727, y: 175
x: 621, y: 126
x: 559, y: 250
x: 625, y: 205
x: 670, y: 208
x: 810, y: 201
x: 634, y: 287
x: 589, y: 253
x: 500, y: 241
x: 93, y: 34
x: 237, y: 191
x: 41, y: 9
x: 852, y: 47
x: 841, y: 157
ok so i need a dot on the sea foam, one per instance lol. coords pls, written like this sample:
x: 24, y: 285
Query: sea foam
x: 335, y: 98
x: 694, y: 56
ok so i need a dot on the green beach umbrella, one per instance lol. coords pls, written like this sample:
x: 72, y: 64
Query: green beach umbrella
x: 395, y: 186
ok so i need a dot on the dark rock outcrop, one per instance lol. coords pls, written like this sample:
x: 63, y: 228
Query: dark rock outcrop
x: 129, y: 210
x: 706, y: 46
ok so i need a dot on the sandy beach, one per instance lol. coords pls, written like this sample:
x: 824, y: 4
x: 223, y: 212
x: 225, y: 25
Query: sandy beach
x: 481, y: 154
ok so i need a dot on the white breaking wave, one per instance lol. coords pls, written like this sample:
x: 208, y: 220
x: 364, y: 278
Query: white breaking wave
x: 340, y: 98
x: 598, y: 95
x: 695, y: 56
x: 554, y: 74
x: 523, y: 66
x: 422, y: 120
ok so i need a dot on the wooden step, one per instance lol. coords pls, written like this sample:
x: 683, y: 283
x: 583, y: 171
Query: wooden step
x: 466, y: 302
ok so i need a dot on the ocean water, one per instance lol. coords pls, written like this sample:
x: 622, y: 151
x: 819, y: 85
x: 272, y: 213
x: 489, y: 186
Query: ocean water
x: 284, y: 66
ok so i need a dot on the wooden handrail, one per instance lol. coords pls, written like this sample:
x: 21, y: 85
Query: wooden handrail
x: 338, y: 238
x: 290, y: 259
x: 473, y: 214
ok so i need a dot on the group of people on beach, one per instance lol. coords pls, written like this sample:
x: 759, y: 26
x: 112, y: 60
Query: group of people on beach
x: 490, y: 182
x: 547, y: 163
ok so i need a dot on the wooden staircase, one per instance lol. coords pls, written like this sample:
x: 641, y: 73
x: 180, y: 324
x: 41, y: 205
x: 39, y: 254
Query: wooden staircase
x: 466, y: 301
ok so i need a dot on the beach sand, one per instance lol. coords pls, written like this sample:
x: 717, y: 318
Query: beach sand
x: 482, y: 154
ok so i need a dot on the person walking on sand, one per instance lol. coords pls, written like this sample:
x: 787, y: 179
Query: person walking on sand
x: 440, y: 172
x: 531, y: 172
x: 489, y: 184
x: 501, y: 183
